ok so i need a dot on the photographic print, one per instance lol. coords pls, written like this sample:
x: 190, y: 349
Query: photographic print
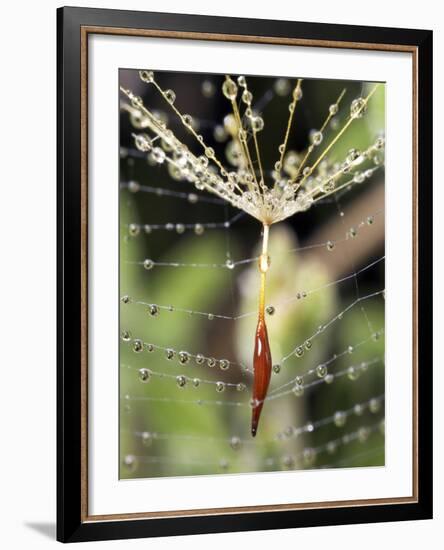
x: 251, y: 213
x: 225, y: 201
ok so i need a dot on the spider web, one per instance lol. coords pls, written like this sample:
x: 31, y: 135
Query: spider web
x: 188, y: 291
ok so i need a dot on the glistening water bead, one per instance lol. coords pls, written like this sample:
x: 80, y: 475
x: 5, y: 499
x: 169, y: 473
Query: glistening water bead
x: 126, y: 335
x: 184, y: 357
x: 358, y: 107
x: 339, y: 419
x: 148, y: 264
x: 224, y: 364
x: 137, y: 346
x: 321, y: 371
x: 229, y: 89
x: 144, y: 375
x: 153, y: 310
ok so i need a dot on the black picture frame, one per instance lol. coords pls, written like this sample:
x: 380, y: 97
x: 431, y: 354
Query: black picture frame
x: 73, y: 523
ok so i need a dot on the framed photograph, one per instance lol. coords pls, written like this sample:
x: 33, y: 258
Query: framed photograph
x: 245, y: 269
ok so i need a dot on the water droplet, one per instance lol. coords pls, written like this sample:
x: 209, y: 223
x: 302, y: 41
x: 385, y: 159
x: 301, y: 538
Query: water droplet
x: 229, y: 89
x: 299, y: 351
x: 363, y: 434
x: 211, y: 362
x: 199, y: 229
x: 352, y: 232
x: 240, y: 387
x: 181, y: 381
x: 353, y: 373
x: 235, y: 443
x: 136, y: 102
x: 350, y: 349
x: 321, y: 371
x: 329, y: 378
x: 374, y: 405
x: 316, y: 138
x: 220, y: 386
x: 184, y: 357
x: 359, y: 177
x: 358, y: 409
x: 147, y: 228
x: 257, y: 123
x: 297, y: 94
x: 224, y: 364
x: 208, y: 88
x: 146, y: 76
x: 170, y: 96
x: 153, y: 310
x: 150, y: 347
x: 229, y: 264
x: 340, y: 418
x: 330, y: 246
x: 308, y: 344
x: 370, y: 220
x: 333, y: 109
x: 358, y: 107
x: 137, y: 346
x: 158, y: 155
x: 210, y: 316
x: 298, y: 390
x: 133, y: 186
x: 247, y: 97
x: 200, y: 359
x: 270, y: 310
x: 209, y: 152
x: 148, y: 264
x: 309, y: 427
x: 170, y: 353
x: 276, y: 369
x: 126, y: 335
x: 180, y: 228
x: 187, y: 120
x: 144, y: 375
x: 130, y: 463
x: 282, y: 86
x: 133, y: 229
